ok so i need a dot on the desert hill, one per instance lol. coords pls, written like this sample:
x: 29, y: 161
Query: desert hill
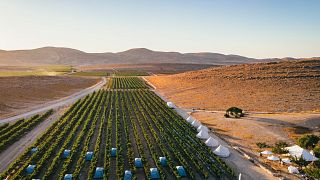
x: 67, y: 56
x: 283, y: 86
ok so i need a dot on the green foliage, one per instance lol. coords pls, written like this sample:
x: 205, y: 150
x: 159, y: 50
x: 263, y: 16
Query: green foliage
x: 313, y: 171
x: 126, y: 83
x: 234, y: 112
x: 138, y: 123
x: 299, y: 161
x: 316, y: 151
x: 262, y: 145
x: 279, y: 148
x: 281, y: 144
x: 308, y: 141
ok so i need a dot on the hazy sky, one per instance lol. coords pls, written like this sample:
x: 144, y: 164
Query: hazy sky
x: 254, y: 28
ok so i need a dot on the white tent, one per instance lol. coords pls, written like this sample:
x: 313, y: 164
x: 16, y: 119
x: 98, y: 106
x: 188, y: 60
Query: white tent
x: 222, y: 151
x: 286, y: 160
x: 266, y: 152
x: 202, y: 128
x: 211, y: 142
x: 190, y: 119
x: 297, y: 151
x: 196, y: 124
x: 273, y: 158
x: 293, y: 170
x: 170, y: 105
x: 203, y: 135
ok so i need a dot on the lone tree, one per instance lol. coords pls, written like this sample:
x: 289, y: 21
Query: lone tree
x: 234, y: 112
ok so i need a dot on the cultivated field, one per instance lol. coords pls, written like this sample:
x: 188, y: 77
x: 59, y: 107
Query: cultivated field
x: 143, y: 69
x: 136, y: 122
x: 19, y: 94
x: 51, y: 70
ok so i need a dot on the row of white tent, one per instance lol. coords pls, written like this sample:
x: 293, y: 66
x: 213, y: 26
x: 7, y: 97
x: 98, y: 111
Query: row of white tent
x: 294, y: 151
x: 203, y: 133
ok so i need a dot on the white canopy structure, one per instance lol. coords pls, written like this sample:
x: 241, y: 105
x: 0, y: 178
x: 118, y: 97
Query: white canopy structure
x: 196, y: 124
x: 293, y: 170
x: 211, y: 142
x: 222, y: 151
x: 203, y: 135
x: 286, y: 160
x: 190, y: 119
x: 297, y: 151
x: 266, y: 152
x: 273, y: 158
x: 202, y: 128
x: 170, y: 105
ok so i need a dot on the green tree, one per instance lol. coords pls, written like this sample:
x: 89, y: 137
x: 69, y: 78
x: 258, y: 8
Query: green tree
x: 308, y: 141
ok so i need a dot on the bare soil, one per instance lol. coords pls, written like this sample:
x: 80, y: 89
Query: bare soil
x: 287, y: 86
x: 19, y: 94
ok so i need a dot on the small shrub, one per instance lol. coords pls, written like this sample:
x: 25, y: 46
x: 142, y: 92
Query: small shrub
x: 281, y: 144
x: 308, y: 141
x: 262, y: 145
x: 299, y: 161
x: 279, y: 150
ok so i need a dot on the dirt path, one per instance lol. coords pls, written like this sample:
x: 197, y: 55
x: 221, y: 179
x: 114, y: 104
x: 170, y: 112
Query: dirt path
x: 57, y: 103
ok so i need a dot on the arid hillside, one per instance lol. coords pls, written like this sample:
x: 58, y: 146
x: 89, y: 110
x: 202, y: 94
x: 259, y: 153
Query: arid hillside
x: 284, y: 86
x: 67, y: 56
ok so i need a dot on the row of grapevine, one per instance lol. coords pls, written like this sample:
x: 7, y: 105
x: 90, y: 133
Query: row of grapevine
x: 126, y: 83
x: 11, y: 134
x: 136, y: 122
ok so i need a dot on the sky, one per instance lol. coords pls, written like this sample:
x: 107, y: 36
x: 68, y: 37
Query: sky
x: 252, y: 28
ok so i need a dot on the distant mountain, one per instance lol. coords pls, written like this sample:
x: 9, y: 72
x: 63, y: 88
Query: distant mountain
x: 68, y: 56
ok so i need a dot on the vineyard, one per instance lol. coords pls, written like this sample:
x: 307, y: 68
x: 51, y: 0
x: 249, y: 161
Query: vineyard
x: 9, y: 134
x: 131, y: 73
x: 117, y: 127
x: 126, y: 83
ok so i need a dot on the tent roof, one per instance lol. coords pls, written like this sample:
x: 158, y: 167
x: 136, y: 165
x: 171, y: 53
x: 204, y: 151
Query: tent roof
x: 293, y: 169
x: 203, y: 135
x: 286, y: 160
x: 190, y: 119
x: 202, y: 127
x: 195, y: 123
x: 273, y: 158
x: 212, y: 142
x: 297, y: 151
x: 266, y: 152
x: 222, y: 151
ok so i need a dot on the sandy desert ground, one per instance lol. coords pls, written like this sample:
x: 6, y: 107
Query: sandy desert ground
x: 266, y: 87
